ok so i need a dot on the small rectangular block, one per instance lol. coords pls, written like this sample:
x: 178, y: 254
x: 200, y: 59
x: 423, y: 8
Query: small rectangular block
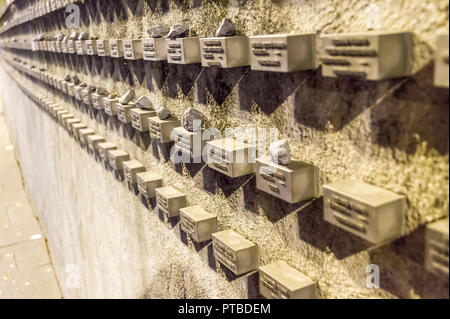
x: 104, y: 148
x: 183, y: 50
x: 139, y: 119
x: 198, y: 223
x: 170, y: 201
x: 103, y: 48
x: 148, y: 182
x: 225, y: 52
x: 116, y: 48
x: 161, y: 130
x: 123, y: 112
x: 132, y: 49
x: 93, y: 141
x: 130, y: 169
x: 116, y: 159
x: 154, y: 49
x: 436, y: 247
x: 235, y: 252
x: 370, y: 212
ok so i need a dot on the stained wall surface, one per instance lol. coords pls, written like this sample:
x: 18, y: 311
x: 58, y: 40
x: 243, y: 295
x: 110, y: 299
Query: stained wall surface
x: 393, y: 134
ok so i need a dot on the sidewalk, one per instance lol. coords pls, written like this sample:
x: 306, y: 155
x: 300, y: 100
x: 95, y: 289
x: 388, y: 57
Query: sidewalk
x: 25, y: 267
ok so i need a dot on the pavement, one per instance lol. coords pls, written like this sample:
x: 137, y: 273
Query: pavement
x: 26, y: 271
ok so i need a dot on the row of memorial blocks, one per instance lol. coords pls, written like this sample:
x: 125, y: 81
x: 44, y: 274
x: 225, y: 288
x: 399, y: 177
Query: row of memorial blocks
x: 372, y: 213
x: 372, y: 55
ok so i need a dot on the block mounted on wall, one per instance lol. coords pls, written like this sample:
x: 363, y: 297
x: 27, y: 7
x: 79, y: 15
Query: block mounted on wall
x: 130, y: 169
x: 110, y: 105
x: 231, y: 157
x: 103, y: 48
x: 235, y: 252
x: 441, y: 66
x: 91, y: 47
x: 124, y: 112
x: 170, y: 200
x: 161, y: 130
x: 154, y: 49
x: 281, y: 281
x: 139, y: 119
x: 283, y: 52
x: 436, y: 247
x: 116, y: 159
x: 296, y: 182
x: 93, y: 141
x: 198, y: 223
x: 183, y: 50
x: 83, y: 136
x: 225, y: 52
x: 132, y: 49
x: 104, y: 148
x: 116, y: 48
x: 370, y: 212
x: 368, y: 55
x: 148, y: 182
x: 189, y: 143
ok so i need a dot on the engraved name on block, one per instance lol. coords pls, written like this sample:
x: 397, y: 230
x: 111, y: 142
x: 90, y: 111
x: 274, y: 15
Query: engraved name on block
x: 116, y: 159
x: 370, y: 212
x: 116, y: 48
x: 283, y: 53
x: 281, y: 281
x: 132, y: 49
x: 83, y: 136
x: 370, y: 55
x: 110, y: 106
x: 64, y: 46
x: 76, y: 130
x: 93, y: 141
x: 170, y: 201
x: 183, y: 50
x: 231, y: 157
x: 130, y: 169
x: 139, y: 118
x: 148, y: 182
x: 71, y: 89
x: 71, y: 47
x: 293, y: 183
x: 436, y: 247
x: 441, y: 67
x: 235, y: 252
x: 198, y: 223
x: 123, y: 112
x: 225, y: 52
x: 104, y: 148
x: 161, y: 130
x: 97, y: 101
x: 189, y: 143
x: 81, y: 47
x: 87, y: 96
x: 154, y: 49
x: 91, y: 47
x: 103, y: 48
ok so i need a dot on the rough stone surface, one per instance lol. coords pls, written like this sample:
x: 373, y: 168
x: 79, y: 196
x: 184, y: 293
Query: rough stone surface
x: 144, y: 103
x: 158, y: 31
x: 226, y: 29
x: 280, y: 152
x: 393, y: 134
x: 127, y: 97
x: 163, y: 112
x: 101, y: 91
x: 74, y: 35
x: 67, y: 77
x: 178, y: 31
x: 189, y: 117
x: 75, y: 79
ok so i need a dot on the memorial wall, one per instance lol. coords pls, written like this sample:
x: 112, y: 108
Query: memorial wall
x: 350, y: 199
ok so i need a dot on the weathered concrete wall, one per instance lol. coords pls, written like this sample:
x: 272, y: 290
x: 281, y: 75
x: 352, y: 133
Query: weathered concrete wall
x: 393, y: 134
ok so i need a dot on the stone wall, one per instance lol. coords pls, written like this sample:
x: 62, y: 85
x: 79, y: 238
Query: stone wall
x: 393, y: 134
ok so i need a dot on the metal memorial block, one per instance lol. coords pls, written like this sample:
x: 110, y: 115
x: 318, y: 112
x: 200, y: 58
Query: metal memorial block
x: 103, y: 48
x: 198, y: 223
x: 81, y: 47
x: 76, y: 130
x: 235, y: 252
x: 281, y: 281
x: 104, y: 148
x: 371, y: 56
x: 71, y: 47
x: 370, y: 212
x: 148, y: 182
x: 225, y: 52
x: 91, y: 47
x: 183, y: 50
x: 132, y: 49
x: 116, y: 158
x: 116, y: 48
x: 110, y: 106
x: 93, y: 141
x: 83, y: 136
x: 97, y: 101
x: 187, y: 142
x: 70, y: 123
x: 283, y: 52
x: 231, y: 157
x: 130, y: 169
x: 161, y: 130
x: 64, y: 118
x: 154, y: 49
x: 170, y: 201
x: 436, y: 247
x: 71, y: 89
x: 123, y: 112
x: 293, y: 183
x: 139, y: 119
x: 87, y: 96
x: 441, y: 67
